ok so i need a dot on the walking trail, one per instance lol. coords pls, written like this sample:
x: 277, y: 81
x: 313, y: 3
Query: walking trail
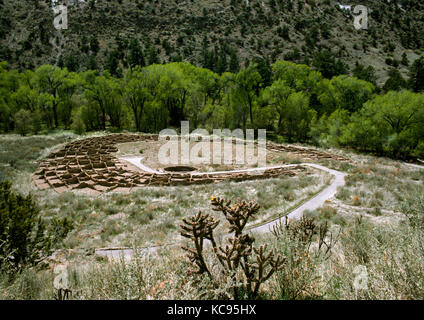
x: 312, y: 204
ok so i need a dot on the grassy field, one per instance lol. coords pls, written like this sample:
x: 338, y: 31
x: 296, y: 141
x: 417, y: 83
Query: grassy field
x: 373, y: 217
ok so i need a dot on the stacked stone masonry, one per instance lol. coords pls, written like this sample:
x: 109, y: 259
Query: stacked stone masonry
x: 89, y: 165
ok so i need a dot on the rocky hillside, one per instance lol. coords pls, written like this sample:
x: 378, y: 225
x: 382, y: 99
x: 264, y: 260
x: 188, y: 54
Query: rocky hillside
x: 217, y: 34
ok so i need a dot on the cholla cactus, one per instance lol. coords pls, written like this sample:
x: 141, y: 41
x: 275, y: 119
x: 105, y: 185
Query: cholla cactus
x: 197, y: 228
x: 237, y: 215
x: 237, y: 257
x: 304, y: 231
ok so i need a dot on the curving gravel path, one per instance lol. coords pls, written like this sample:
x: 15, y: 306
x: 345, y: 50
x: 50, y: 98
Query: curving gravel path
x: 137, y: 162
x: 312, y: 204
x: 414, y: 165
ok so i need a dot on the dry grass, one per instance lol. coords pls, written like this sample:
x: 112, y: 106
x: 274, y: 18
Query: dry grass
x: 368, y: 215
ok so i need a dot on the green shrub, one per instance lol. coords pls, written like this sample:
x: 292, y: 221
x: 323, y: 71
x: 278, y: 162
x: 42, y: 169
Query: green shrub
x: 78, y: 125
x: 22, y: 234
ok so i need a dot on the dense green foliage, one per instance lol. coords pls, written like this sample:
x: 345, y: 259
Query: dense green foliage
x: 22, y: 234
x: 293, y: 100
x: 25, y: 239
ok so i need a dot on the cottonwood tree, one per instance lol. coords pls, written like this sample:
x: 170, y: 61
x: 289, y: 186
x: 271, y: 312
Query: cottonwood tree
x: 103, y: 92
x: 173, y: 91
x: 66, y: 97
x: 25, y: 98
x: 297, y: 76
x: 243, y: 93
x: 276, y: 96
x: 344, y: 92
x: 297, y: 117
x: 9, y: 83
x: 392, y: 124
x: 48, y: 80
x: 136, y: 92
x: 23, y: 122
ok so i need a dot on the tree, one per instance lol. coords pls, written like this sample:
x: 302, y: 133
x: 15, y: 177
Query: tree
x: 45, y: 106
x: 94, y: 44
x: 136, y: 57
x: 276, y: 95
x: 102, y: 92
x: 264, y: 69
x: 405, y: 60
x: 416, y: 75
x: 244, y: 94
x: 25, y: 97
x: 221, y: 65
x: 66, y: 94
x: 327, y: 130
x: 328, y: 65
x: 136, y: 93
x: 78, y: 125
x: 112, y: 64
x: 152, y: 56
x: 71, y: 62
x: 205, y: 92
x: 234, y: 66
x: 48, y: 80
x: 91, y: 63
x: 298, y: 116
x: 344, y: 92
x: 390, y: 124
x: 24, y: 237
x: 395, y: 82
x: 23, y: 122
x: 365, y: 73
x: 9, y: 83
x: 173, y: 91
x: 299, y: 77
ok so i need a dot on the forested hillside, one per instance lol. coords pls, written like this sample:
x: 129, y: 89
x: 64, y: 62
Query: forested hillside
x: 221, y: 35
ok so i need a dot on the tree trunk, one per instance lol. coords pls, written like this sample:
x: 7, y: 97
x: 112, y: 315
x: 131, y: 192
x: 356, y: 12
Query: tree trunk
x: 56, y: 121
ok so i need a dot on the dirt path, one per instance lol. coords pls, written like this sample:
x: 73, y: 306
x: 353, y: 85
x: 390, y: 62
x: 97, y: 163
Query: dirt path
x: 312, y: 204
x: 137, y: 162
x: 414, y: 165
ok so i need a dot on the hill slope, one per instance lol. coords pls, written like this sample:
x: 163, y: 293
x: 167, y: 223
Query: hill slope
x: 219, y: 35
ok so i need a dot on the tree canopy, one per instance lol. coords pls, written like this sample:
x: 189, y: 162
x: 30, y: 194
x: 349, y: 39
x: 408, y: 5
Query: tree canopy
x: 295, y: 101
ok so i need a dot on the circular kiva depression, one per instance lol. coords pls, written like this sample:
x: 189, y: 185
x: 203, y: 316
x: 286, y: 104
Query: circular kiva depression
x: 180, y: 169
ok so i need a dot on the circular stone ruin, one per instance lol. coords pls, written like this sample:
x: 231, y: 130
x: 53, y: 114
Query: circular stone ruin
x: 90, y: 165
x: 180, y: 169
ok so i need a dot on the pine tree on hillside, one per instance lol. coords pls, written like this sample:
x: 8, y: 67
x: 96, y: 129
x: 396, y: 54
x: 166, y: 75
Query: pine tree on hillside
x: 136, y: 56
